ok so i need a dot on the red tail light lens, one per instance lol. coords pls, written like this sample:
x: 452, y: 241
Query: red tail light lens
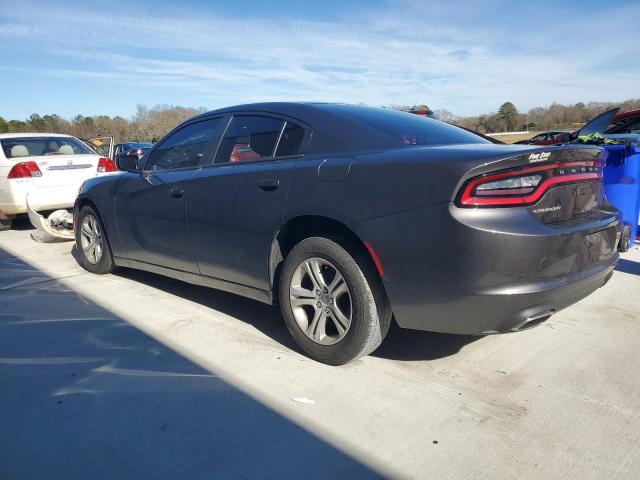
x: 524, y: 186
x: 25, y: 170
x: 106, y: 165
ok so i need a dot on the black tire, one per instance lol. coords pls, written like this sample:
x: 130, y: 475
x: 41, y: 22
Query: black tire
x: 5, y: 225
x: 625, y: 239
x: 105, y: 263
x: 370, y: 309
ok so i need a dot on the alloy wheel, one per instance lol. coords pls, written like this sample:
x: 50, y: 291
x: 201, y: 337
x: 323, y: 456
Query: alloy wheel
x: 91, y: 239
x: 321, y: 301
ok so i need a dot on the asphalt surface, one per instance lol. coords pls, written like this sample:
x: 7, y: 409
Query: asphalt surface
x: 132, y: 375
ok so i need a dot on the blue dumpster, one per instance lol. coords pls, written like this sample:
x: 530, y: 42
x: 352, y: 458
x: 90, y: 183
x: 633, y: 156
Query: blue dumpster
x: 622, y: 184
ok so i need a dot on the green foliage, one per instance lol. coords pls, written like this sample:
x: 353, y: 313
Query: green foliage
x: 508, y: 113
x: 597, y: 139
x: 37, y: 123
x: 4, y: 128
x: 16, y: 126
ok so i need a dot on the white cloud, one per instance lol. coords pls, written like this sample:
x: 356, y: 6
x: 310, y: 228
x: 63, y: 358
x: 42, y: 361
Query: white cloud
x: 462, y: 58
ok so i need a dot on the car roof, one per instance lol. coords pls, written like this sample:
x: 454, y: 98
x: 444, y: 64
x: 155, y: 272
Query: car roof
x: 332, y: 130
x: 283, y: 108
x: 32, y: 134
x: 337, y: 127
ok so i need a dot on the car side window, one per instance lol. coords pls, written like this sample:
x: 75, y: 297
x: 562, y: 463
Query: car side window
x: 249, y: 138
x: 290, y: 140
x: 186, y: 148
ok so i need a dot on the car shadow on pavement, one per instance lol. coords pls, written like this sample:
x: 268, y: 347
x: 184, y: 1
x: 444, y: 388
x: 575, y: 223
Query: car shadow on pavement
x: 628, y: 266
x: 85, y: 394
x: 400, y: 344
x: 262, y: 317
x: 413, y: 345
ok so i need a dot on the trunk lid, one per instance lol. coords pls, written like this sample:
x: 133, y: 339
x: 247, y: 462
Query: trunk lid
x: 59, y: 170
x: 582, y: 196
x: 556, y: 183
x: 598, y: 124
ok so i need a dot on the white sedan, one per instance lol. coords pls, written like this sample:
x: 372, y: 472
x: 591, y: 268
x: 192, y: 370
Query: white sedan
x: 47, y: 167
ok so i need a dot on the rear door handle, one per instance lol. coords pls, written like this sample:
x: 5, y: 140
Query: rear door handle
x: 268, y: 184
x: 176, y: 192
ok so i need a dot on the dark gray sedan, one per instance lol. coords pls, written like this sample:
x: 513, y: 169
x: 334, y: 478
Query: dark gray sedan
x: 351, y: 216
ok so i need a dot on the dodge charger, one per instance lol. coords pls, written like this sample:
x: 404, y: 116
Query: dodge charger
x: 351, y: 217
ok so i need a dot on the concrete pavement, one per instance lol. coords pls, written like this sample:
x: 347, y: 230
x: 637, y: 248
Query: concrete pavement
x: 133, y: 375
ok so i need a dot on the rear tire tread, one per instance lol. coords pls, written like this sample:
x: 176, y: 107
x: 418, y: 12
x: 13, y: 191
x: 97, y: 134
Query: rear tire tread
x: 366, y: 288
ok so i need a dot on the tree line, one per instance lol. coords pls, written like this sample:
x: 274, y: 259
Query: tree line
x: 554, y: 117
x: 150, y: 124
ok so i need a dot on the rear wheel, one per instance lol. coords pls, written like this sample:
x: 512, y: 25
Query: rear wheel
x: 91, y: 241
x: 334, y: 311
x: 625, y: 239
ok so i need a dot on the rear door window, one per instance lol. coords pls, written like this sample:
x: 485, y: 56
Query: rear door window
x: 249, y: 138
x: 189, y: 147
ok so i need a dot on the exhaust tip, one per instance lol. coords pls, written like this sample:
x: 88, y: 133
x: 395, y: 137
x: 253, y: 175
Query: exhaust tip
x: 533, y: 321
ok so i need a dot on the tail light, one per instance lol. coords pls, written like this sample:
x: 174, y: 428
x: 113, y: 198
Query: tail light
x: 106, y: 165
x: 25, y: 170
x: 524, y: 186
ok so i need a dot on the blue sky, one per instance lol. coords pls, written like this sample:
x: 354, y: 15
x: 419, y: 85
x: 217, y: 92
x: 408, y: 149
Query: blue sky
x: 466, y: 56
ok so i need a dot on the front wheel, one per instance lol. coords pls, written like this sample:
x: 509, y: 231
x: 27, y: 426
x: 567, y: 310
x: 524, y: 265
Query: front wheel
x: 91, y: 242
x: 334, y: 311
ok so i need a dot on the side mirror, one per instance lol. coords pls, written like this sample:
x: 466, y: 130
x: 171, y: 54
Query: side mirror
x: 127, y: 163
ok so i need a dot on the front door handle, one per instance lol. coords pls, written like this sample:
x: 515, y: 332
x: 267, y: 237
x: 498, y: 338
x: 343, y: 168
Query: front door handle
x: 176, y: 192
x: 268, y: 184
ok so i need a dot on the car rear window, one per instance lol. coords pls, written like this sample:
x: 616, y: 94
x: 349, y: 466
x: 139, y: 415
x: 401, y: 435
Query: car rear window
x: 42, y: 146
x: 407, y: 128
x: 133, y: 146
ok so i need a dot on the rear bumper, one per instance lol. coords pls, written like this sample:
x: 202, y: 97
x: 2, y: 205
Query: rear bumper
x: 470, y: 271
x: 502, y: 312
x: 13, y: 199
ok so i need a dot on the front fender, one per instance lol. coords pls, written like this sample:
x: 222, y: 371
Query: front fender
x: 100, y: 193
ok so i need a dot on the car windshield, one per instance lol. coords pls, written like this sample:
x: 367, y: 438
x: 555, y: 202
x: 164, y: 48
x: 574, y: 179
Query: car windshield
x: 135, y: 145
x: 407, y: 128
x: 42, y: 146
